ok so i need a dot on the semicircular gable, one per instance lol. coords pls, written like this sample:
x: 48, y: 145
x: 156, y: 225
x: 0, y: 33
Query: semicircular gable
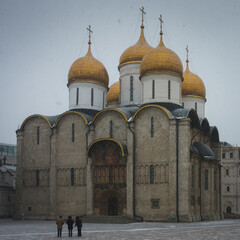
x: 194, y: 118
x: 109, y: 109
x: 70, y: 112
x: 205, y: 126
x: 34, y: 116
x: 214, y: 134
x: 169, y: 115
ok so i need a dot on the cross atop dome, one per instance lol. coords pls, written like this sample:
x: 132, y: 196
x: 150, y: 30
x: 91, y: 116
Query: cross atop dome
x: 187, y: 53
x: 161, y: 22
x: 142, y: 10
x: 90, y: 31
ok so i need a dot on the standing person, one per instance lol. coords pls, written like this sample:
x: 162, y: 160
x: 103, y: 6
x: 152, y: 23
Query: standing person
x: 59, y: 223
x: 78, y: 223
x: 70, y: 225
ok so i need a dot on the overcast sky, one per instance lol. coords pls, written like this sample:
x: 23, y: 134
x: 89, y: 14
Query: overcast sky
x: 39, y: 40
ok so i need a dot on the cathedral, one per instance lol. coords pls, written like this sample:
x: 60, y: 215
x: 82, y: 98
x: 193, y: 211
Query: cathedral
x: 141, y: 148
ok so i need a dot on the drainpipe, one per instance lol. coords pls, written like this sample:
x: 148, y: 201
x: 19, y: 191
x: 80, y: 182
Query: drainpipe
x: 134, y: 164
x: 89, y: 130
x: 200, y: 190
x: 177, y: 170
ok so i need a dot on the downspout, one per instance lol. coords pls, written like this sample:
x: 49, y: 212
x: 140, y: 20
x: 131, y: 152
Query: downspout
x: 200, y: 190
x: 134, y: 166
x: 89, y: 130
x: 177, y: 171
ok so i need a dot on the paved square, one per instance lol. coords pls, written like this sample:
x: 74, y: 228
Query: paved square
x: 222, y: 230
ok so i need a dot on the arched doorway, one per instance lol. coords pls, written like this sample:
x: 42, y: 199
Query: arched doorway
x: 229, y: 209
x: 109, y: 178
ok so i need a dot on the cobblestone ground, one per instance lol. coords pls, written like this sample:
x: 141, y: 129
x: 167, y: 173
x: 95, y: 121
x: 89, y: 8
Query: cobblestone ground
x: 222, y: 230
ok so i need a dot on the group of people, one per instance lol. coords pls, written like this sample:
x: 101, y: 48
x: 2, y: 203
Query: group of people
x: 70, y: 223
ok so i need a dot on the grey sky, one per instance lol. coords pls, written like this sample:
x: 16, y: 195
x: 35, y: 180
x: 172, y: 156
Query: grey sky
x: 39, y: 40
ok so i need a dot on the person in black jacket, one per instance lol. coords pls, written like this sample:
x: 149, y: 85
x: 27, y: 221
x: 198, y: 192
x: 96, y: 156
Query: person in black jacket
x: 78, y: 223
x: 70, y: 226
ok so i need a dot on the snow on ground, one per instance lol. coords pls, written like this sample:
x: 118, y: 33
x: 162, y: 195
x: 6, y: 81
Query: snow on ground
x: 28, y: 229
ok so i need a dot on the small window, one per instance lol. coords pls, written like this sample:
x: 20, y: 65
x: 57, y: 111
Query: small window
x: 151, y: 174
x: 228, y: 189
x: 231, y: 155
x: 227, y: 172
x: 37, y: 177
x: 155, y: 203
x: 38, y: 135
x: 152, y: 127
x: 111, y: 129
x: 29, y: 209
x: 169, y: 89
x: 72, y: 176
x: 92, y: 96
x: 195, y: 106
x: 131, y: 88
x: 77, y: 96
x: 223, y: 155
x: 153, y: 89
x: 206, y: 179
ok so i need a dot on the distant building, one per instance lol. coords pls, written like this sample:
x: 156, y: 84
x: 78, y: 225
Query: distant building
x: 7, y: 190
x: 230, y: 178
x: 8, y: 154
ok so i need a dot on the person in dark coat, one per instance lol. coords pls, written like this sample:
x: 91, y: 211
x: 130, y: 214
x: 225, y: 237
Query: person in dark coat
x: 78, y: 223
x: 70, y: 226
x: 59, y: 223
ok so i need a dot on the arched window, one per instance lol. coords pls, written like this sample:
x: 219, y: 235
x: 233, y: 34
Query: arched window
x: 131, y: 88
x: 195, y: 106
x: 92, y: 96
x: 228, y: 189
x: 206, y: 179
x: 72, y: 176
x: 38, y: 135
x: 37, y: 177
x: 169, y: 89
x: 152, y: 127
x: 73, y: 132
x: 153, y: 89
x: 111, y: 129
x: 151, y: 174
x: 77, y: 96
x: 227, y: 172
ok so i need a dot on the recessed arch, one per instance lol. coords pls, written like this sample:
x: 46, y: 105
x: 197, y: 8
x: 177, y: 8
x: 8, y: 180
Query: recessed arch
x: 122, y: 146
x: 35, y: 116
x: 70, y: 112
x: 151, y: 105
x: 205, y: 126
x: 214, y: 134
x: 109, y: 109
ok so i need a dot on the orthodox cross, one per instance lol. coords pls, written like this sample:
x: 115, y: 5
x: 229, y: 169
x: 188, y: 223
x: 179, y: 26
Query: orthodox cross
x: 161, y: 22
x: 142, y: 10
x: 90, y: 31
x: 187, y: 53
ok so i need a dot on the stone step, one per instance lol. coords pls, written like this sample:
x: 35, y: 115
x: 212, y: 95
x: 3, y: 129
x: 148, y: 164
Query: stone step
x: 106, y: 219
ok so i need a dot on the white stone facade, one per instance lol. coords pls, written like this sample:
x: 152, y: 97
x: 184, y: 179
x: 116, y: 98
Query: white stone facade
x: 196, y: 103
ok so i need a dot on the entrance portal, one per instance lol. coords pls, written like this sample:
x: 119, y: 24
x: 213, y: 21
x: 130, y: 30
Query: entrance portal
x: 109, y: 179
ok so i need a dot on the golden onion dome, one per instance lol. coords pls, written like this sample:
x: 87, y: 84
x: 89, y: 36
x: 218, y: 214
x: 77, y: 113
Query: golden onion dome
x: 161, y: 60
x: 135, y: 53
x: 192, y: 85
x: 88, y: 69
x: 113, y: 94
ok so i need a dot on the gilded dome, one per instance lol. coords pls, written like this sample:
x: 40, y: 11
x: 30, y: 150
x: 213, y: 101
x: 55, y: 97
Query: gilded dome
x: 88, y: 69
x: 135, y: 53
x: 113, y: 94
x: 192, y: 85
x: 161, y: 60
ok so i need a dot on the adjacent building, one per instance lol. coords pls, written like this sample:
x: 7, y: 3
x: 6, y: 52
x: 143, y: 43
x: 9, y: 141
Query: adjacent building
x: 230, y: 178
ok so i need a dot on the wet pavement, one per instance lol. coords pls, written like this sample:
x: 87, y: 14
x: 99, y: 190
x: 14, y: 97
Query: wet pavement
x: 29, y: 229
